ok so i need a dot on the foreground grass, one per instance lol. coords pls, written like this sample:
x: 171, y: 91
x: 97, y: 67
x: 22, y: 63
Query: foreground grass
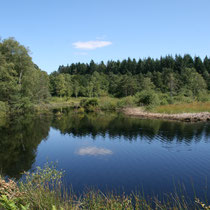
x: 43, y: 189
x: 195, y: 107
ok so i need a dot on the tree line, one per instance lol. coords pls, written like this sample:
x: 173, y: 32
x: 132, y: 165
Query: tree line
x: 23, y: 84
x: 174, y: 76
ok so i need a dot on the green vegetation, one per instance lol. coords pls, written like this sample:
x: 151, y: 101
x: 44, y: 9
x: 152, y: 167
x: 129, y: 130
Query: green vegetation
x: 3, y: 109
x: 166, y: 85
x: 22, y: 83
x: 147, y: 82
x: 168, y: 80
x: 105, y: 103
x: 89, y: 104
x: 44, y: 189
x: 183, y: 108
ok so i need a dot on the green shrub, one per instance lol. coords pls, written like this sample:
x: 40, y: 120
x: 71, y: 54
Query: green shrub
x: 128, y: 101
x: 183, y: 99
x: 108, y: 103
x: 89, y: 104
x: 186, y: 93
x: 165, y: 99
x: 147, y: 98
x: 203, y: 96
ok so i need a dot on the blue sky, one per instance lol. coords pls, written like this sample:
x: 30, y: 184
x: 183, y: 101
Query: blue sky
x: 67, y: 31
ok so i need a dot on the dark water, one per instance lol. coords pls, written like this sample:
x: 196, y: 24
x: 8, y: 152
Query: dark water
x: 110, y: 151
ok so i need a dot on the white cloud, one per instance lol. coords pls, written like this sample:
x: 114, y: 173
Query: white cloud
x: 93, y: 151
x: 91, y: 45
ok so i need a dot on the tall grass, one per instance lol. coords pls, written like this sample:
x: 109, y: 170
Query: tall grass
x: 44, y: 189
x: 183, y: 108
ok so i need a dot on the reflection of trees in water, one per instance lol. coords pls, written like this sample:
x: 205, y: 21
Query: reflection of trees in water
x: 118, y: 125
x: 19, y: 139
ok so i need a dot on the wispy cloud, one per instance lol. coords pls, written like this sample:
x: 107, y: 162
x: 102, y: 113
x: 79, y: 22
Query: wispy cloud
x: 93, y: 151
x: 91, y: 45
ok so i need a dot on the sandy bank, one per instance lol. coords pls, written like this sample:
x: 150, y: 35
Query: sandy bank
x: 186, y: 117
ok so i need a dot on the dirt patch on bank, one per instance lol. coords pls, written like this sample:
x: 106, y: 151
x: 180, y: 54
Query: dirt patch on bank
x: 185, y: 117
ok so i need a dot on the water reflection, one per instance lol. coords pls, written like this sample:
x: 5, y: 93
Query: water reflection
x: 20, y: 137
x: 94, y: 151
x: 131, y: 129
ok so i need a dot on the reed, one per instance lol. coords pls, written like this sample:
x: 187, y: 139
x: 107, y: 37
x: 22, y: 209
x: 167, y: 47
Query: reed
x: 44, y: 189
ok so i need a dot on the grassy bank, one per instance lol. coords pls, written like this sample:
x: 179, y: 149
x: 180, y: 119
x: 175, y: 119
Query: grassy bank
x: 102, y: 103
x: 195, y: 107
x: 108, y: 103
x: 111, y: 103
x: 43, y: 189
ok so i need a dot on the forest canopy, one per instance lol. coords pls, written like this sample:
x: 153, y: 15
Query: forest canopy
x: 181, y: 76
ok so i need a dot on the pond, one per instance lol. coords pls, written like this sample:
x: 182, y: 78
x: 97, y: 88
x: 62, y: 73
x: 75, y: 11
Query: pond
x: 110, y: 151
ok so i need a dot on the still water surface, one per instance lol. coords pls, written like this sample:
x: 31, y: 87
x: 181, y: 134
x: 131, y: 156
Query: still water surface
x: 110, y: 151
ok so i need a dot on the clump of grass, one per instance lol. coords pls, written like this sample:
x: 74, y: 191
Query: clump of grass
x: 183, y: 108
x: 43, y: 189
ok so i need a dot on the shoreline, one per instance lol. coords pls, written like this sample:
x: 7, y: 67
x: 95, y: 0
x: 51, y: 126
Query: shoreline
x: 135, y: 112
x: 184, y: 117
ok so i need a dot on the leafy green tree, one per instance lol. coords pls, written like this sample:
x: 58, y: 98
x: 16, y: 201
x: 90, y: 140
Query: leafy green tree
x: 193, y: 81
x: 60, y: 85
x: 69, y: 85
x: 127, y: 86
x: 146, y: 84
x: 20, y: 78
x: 89, y: 89
x: 157, y: 80
x: 170, y: 80
x: 76, y: 88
